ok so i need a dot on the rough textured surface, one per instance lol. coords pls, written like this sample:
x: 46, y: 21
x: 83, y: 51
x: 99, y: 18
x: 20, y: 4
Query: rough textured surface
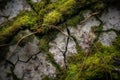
x: 83, y: 35
x: 38, y: 66
x: 30, y: 64
x: 12, y: 9
x: 111, y: 19
x: 35, y: 69
x: 58, y: 47
x: 107, y: 38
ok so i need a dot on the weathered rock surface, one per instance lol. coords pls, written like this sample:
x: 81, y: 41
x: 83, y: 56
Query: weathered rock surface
x: 31, y: 64
x: 107, y: 38
x: 111, y: 19
x: 12, y: 9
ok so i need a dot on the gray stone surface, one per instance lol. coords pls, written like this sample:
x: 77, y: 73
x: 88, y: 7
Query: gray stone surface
x: 58, y: 47
x: 82, y: 33
x: 38, y: 66
x: 107, y: 38
x: 30, y: 64
x: 111, y: 19
x: 35, y: 69
x: 13, y: 8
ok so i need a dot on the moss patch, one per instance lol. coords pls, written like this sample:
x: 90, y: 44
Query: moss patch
x: 22, y: 21
x: 98, y: 65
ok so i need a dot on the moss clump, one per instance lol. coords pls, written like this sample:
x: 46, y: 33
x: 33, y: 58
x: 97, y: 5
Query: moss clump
x: 98, y: 6
x: 43, y: 45
x: 45, y: 14
x: 65, y: 11
x: 22, y: 21
x: 116, y: 43
x: 53, y: 18
x: 98, y: 65
x: 56, y: 15
x: 67, y: 7
x: 74, y: 21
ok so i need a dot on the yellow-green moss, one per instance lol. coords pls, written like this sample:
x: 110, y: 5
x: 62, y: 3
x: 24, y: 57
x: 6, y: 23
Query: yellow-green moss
x: 67, y: 7
x: 116, y: 43
x: 53, y: 17
x: 44, y: 14
x: 65, y: 11
x: 43, y: 44
x: 26, y: 20
x: 95, y: 66
x: 74, y: 21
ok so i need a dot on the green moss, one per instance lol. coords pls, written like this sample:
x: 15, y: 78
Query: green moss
x: 56, y: 16
x: 38, y: 6
x: 45, y: 39
x: 74, y: 21
x: 53, y: 18
x: 26, y: 20
x: 43, y: 45
x: 116, y: 43
x: 65, y: 11
x: 98, y: 6
x: 46, y: 13
x: 50, y: 58
x: 97, y: 30
x: 95, y: 66
x: 67, y: 7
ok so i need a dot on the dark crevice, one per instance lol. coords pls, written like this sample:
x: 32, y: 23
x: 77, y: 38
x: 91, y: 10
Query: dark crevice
x: 66, y: 48
x: 29, y: 58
